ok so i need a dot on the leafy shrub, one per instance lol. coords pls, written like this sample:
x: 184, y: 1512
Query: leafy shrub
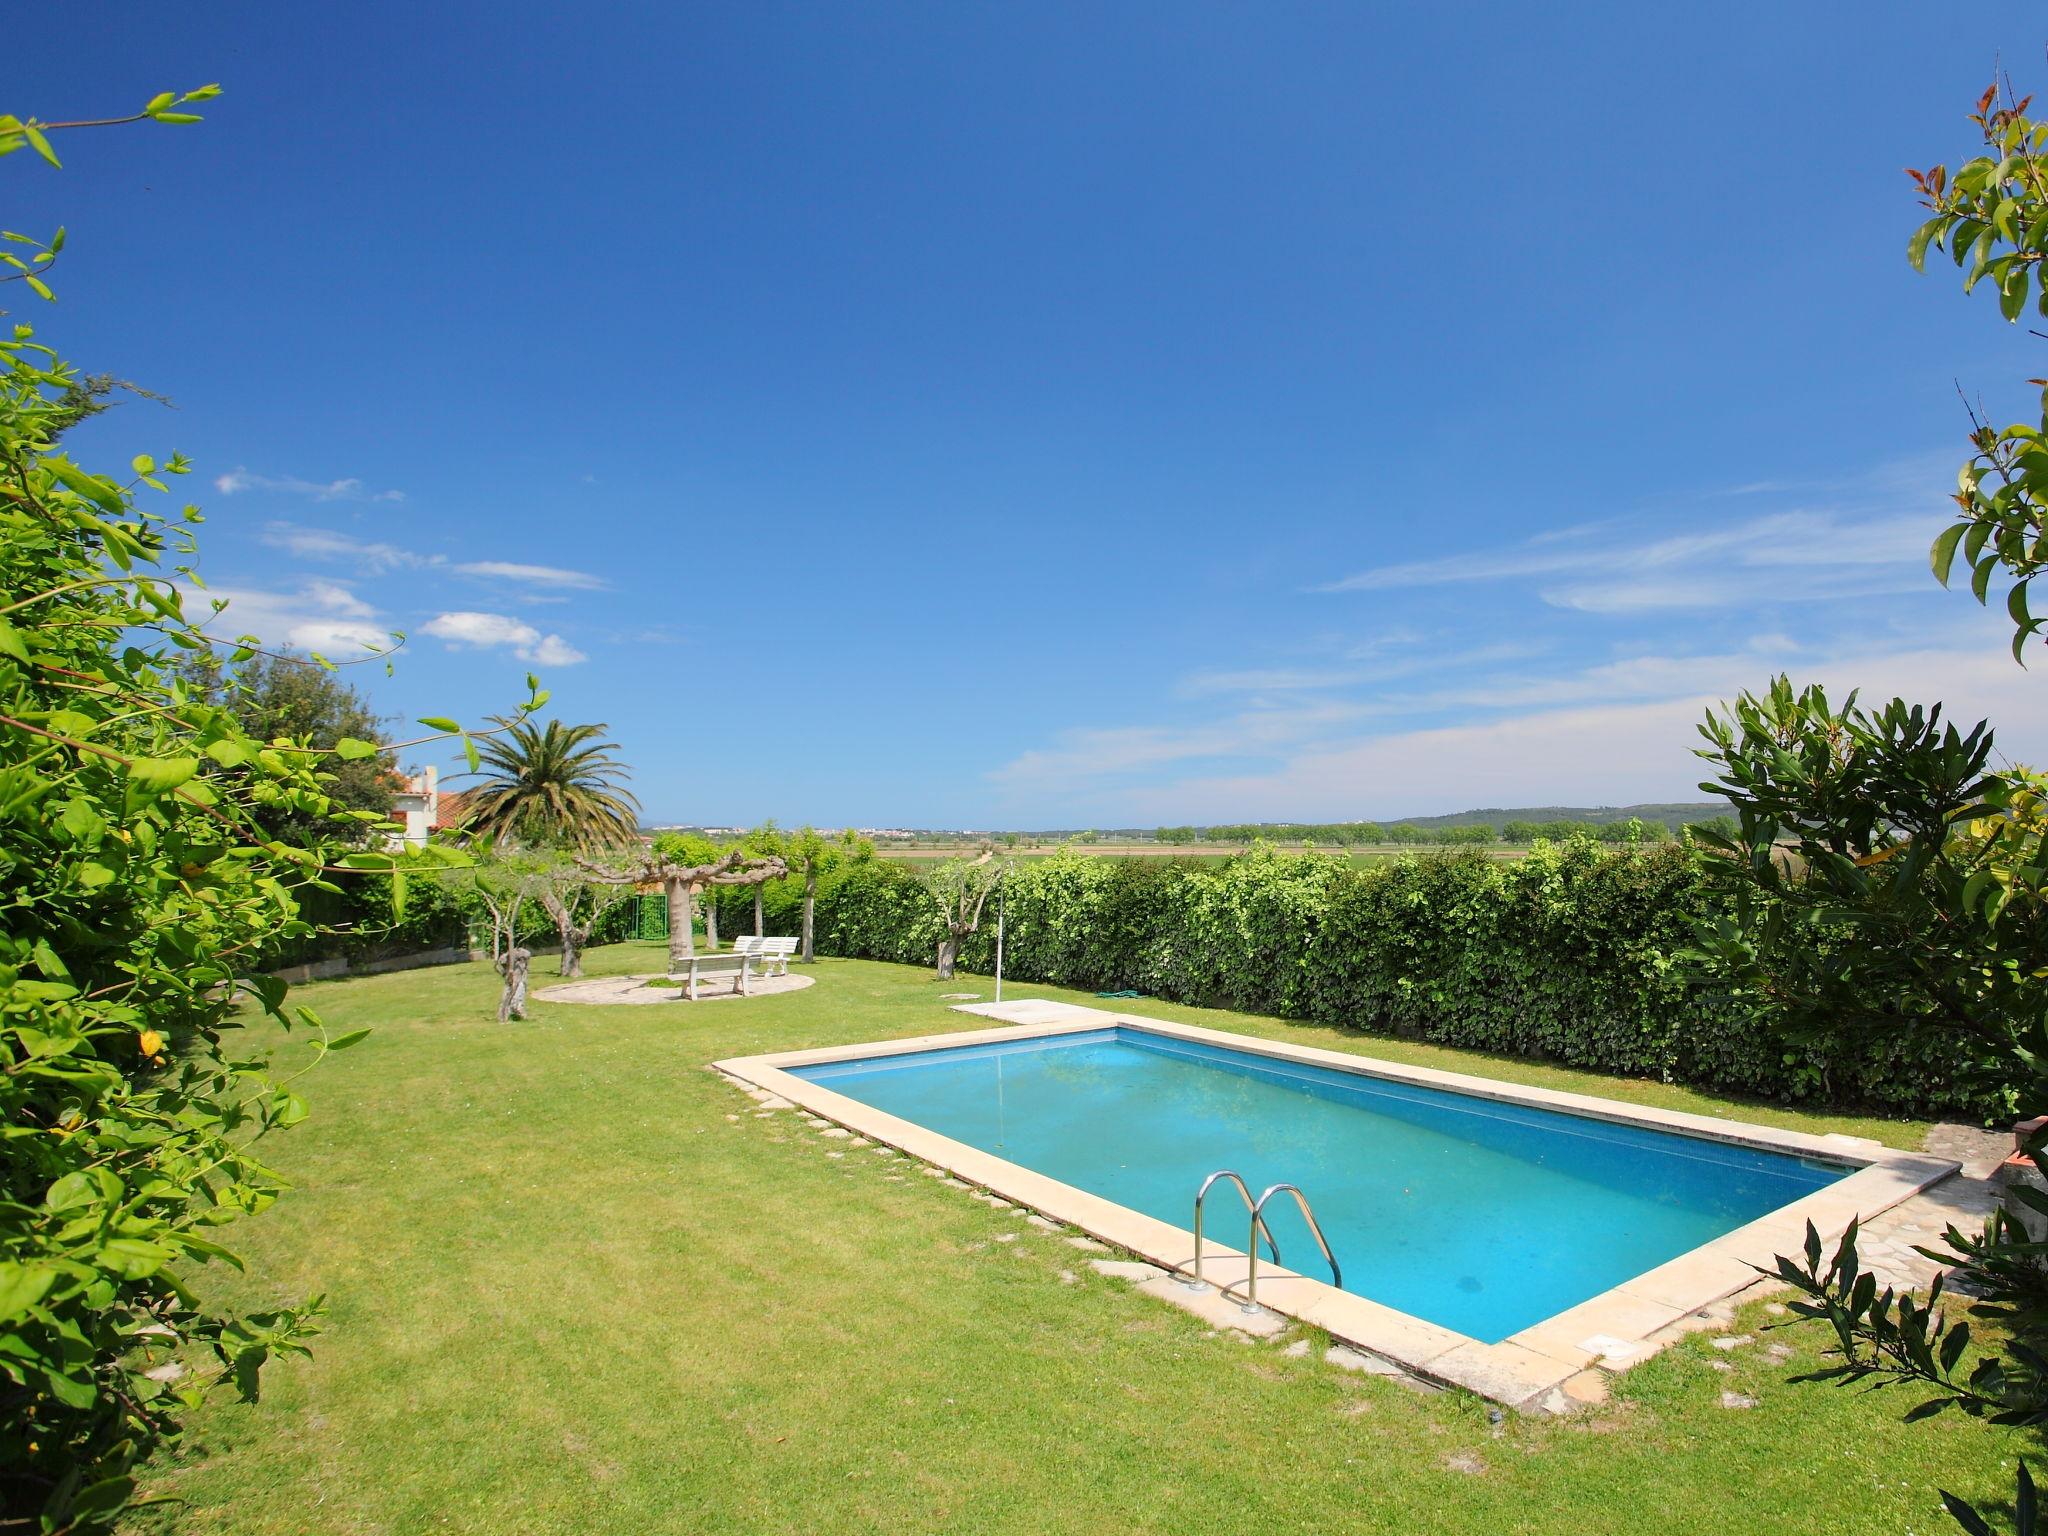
x: 143, y: 877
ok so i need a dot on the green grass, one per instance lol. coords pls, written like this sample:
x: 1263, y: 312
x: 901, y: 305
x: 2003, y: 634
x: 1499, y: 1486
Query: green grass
x: 577, y: 1284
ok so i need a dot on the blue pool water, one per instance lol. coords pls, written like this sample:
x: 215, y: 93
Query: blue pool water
x: 1479, y: 1216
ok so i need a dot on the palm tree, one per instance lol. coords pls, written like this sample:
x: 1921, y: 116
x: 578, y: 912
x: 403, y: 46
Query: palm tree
x: 558, y: 787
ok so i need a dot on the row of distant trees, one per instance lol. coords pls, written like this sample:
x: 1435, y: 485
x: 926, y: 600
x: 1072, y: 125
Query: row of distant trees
x: 1402, y: 833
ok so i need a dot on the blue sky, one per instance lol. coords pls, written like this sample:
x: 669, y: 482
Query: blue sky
x: 1057, y: 415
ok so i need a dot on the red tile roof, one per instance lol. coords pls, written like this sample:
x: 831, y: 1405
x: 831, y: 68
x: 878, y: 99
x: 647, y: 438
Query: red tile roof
x: 449, y: 811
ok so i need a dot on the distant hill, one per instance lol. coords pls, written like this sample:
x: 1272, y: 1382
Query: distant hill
x: 1674, y: 814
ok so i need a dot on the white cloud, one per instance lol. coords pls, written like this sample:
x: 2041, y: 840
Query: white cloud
x: 1371, y: 669
x: 1089, y: 755
x: 323, y: 616
x: 484, y: 630
x: 554, y: 651
x: 371, y: 557
x: 240, y: 479
x: 1783, y: 555
x: 534, y: 575
x: 1613, y: 753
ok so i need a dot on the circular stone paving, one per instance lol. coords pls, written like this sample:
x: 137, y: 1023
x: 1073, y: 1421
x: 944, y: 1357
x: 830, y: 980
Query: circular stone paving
x: 634, y: 989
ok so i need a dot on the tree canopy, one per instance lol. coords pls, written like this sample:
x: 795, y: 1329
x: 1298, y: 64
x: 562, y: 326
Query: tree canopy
x: 558, y: 787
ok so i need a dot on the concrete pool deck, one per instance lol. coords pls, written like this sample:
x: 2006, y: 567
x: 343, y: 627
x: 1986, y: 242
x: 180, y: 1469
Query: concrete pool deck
x: 1527, y: 1369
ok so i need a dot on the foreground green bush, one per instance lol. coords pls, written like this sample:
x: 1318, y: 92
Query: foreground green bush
x: 1564, y: 954
x: 152, y: 853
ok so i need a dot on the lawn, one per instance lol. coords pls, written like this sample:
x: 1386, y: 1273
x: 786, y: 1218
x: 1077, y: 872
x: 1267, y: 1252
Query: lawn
x: 578, y: 1284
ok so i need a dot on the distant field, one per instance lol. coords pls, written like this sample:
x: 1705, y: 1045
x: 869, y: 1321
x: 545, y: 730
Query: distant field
x: 1213, y: 851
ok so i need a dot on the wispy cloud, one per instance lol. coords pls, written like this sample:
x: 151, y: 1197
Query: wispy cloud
x: 370, y: 556
x: 1087, y: 756
x: 241, y: 478
x: 1797, y: 554
x: 533, y: 575
x: 1611, y: 733
x: 1607, y: 754
x: 1374, y: 665
x: 323, y: 616
x: 483, y: 631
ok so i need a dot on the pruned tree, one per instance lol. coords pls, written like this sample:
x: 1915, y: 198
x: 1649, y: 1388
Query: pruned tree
x: 575, y: 900
x: 961, y: 887
x: 503, y: 881
x: 766, y: 841
x: 811, y: 856
x: 663, y: 865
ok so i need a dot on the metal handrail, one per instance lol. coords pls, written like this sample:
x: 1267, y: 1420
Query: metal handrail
x: 1196, y: 1282
x: 1251, y: 1274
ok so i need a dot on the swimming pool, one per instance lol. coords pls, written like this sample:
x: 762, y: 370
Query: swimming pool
x: 1481, y: 1216
x: 1492, y: 1236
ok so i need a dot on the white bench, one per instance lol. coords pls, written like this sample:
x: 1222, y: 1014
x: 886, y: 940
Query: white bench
x: 775, y: 952
x: 740, y: 963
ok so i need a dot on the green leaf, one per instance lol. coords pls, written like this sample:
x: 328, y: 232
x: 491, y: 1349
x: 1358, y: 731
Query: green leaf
x: 350, y: 749
x: 42, y: 289
x: 343, y: 1042
x: 96, y: 1501
x: 42, y: 145
x: 1944, y: 552
x: 438, y: 723
x: 1916, y: 248
x: 160, y: 775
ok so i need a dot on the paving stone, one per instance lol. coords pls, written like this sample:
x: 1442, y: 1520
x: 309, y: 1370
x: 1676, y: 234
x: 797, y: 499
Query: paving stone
x: 1068, y: 1277
x: 775, y: 1101
x: 1297, y: 1350
x: 1737, y: 1400
x: 1006, y: 1237
x: 1467, y: 1462
x: 1086, y: 1244
x: 836, y: 1132
x: 1126, y: 1269
x: 1213, y: 1307
x: 1731, y: 1341
x: 1041, y: 1223
x: 1345, y: 1358
x: 1586, y: 1389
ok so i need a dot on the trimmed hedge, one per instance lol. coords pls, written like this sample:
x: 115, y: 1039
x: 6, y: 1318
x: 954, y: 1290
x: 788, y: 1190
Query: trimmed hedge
x: 1562, y: 955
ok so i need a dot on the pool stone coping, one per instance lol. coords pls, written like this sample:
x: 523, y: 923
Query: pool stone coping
x: 1613, y: 1330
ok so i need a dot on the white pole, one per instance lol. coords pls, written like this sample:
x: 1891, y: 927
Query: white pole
x: 999, y: 945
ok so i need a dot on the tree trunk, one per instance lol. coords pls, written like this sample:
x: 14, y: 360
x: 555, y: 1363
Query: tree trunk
x: 512, y: 1002
x: 682, y: 926
x: 949, y: 951
x: 573, y: 940
x: 711, y: 925
x: 758, y: 929
x: 810, y: 908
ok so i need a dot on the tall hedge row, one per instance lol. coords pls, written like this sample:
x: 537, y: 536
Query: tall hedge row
x: 1563, y: 955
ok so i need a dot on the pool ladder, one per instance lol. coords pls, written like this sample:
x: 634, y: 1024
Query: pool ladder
x: 1258, y: 1230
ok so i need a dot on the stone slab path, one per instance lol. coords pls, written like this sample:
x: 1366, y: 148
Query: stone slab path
x: 634, y: 989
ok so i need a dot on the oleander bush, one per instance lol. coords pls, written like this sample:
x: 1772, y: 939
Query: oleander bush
x: 1566, y: 955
